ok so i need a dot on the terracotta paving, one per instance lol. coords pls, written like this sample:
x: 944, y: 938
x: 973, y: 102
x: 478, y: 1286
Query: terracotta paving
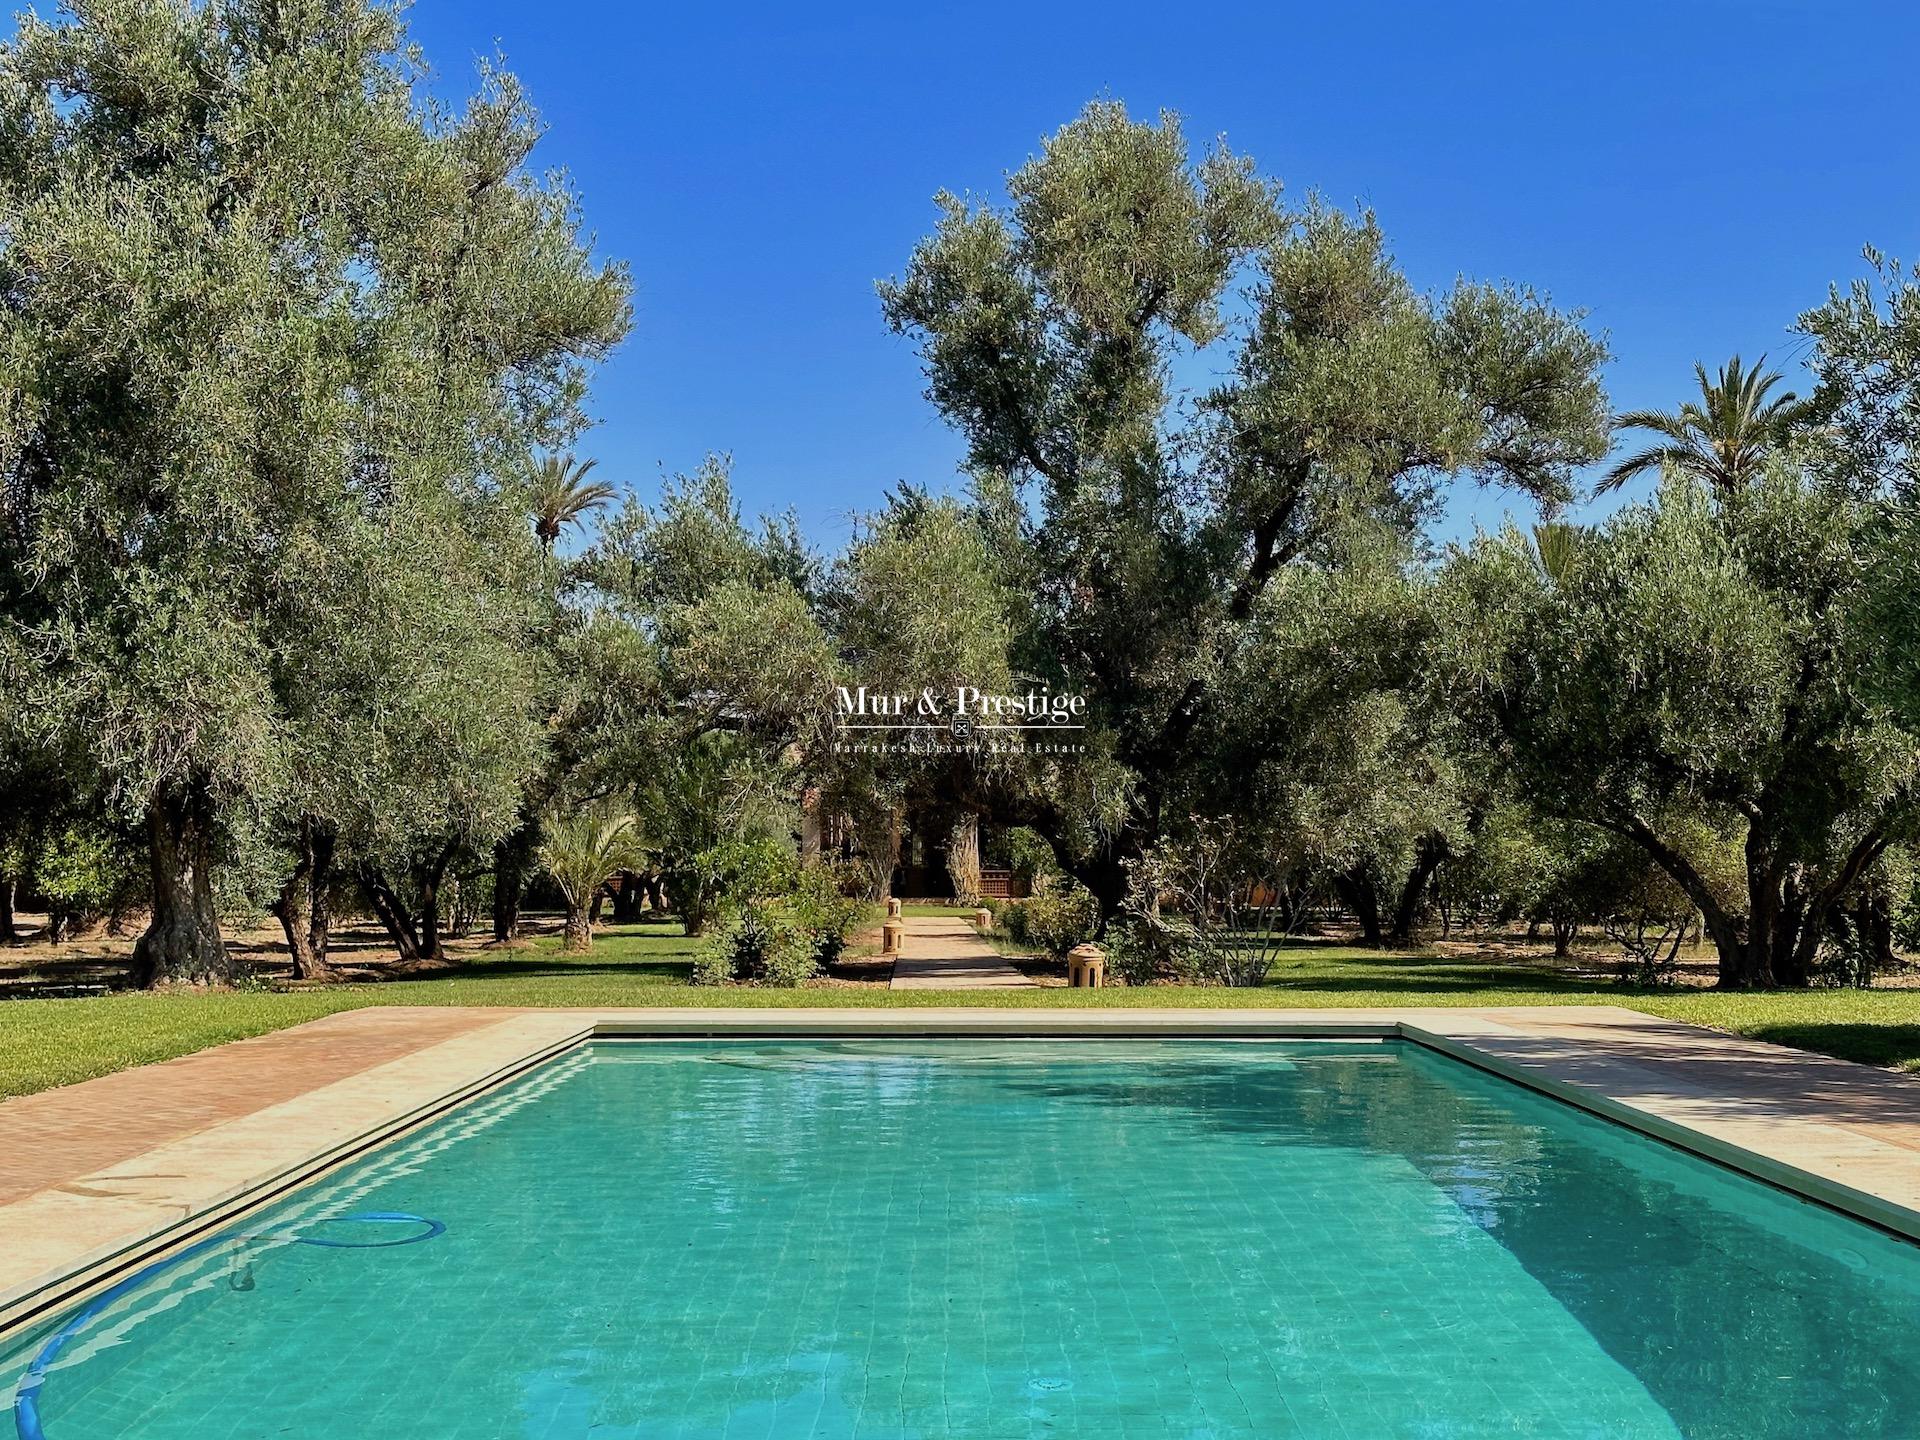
x: 62, y: 1135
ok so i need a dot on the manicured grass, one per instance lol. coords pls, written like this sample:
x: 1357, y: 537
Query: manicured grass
x: 55, y: 1042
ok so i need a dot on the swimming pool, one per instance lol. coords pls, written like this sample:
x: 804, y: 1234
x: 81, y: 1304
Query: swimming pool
x: 1176, y: 1239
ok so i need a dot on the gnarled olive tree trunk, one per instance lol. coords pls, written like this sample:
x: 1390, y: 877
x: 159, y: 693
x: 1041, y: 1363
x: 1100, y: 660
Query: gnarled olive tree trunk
x: 963, y: 859
x: 182, y: 941
x: 415, y: 930
x: 1356, y: 892
x: 1788, y: 903
x: 391, y: 909
x: 1429, y: 851
x: 629, y: 898
x: 305, y: 907
x: 513, y: 862
x: 880, y: 851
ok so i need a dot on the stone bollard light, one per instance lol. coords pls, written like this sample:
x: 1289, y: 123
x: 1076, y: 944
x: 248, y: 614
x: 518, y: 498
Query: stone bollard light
x: 891, y: 934
x: 893, y: 907
x: 983, y: 919
x: 1086, y: 967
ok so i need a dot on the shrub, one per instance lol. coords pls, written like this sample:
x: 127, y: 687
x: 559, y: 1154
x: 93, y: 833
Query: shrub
x: 753, y: 868
x: 1062, y: 917
x: 1191, y: 915
x: 80, y: 872
x: 1012, y: 919
x: 1131, y: 958
x: 1156, y: 944
x: 761, y: 943
x: 712, y: 963
x: 1029, y: 856
x: 790, y: 966
x: 1148, y: 947
x: 823, y: 909
x: 727, y: 875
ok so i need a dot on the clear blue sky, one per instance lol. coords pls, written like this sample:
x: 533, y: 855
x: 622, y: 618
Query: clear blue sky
x: 1694, y: 172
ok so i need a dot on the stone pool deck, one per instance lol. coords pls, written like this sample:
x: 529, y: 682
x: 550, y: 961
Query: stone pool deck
x: 98, y: 1176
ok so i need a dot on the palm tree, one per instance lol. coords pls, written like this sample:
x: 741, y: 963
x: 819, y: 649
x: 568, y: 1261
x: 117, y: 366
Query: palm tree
x: 586, y: 847
x: 1724, y: 439
x: 1556, y: 547
x: 561, y: 495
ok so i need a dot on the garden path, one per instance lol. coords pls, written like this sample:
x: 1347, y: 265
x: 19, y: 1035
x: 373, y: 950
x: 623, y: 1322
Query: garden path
x: 944, y: 953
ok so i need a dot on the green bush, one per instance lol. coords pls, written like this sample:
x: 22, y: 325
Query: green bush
x: 1012, y: 919
x: 81, y: 872
x: 753, y: 869
x: 727, y: 875
x: 1061, y: 917
x: 1152, y: 945
x: 761, y: 943
x: 712, y: 963
x: 827, y: 914
x: 1029, y: 856
x: 1132, y: 957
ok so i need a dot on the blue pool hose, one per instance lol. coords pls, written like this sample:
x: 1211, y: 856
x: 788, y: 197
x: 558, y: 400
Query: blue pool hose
x: 26, y: 1403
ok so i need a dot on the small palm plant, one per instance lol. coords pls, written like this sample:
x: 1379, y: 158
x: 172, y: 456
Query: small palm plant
x: 585, y: 847
x: 562, y: 495
x: 1556, y: 548
x: 1723, y: 440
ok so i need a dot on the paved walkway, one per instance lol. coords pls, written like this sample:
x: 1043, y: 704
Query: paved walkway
x: 938, y: 953
x: 126, y: 1164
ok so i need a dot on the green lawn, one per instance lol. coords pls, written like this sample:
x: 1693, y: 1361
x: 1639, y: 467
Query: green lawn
x: 54, y: 1042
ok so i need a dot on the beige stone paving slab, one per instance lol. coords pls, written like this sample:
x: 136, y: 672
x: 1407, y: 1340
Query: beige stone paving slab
x: 942, y: 953
x: 60, y: 1239
x: 995, y: 1023
x: 1841, y: 1133
x: 1830, y: 1129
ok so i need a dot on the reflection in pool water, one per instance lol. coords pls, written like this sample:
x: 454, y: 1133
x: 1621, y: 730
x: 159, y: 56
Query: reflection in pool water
x: 969, y: 1239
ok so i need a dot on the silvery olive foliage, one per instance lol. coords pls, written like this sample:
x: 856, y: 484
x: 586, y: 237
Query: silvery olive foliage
x: 1704, y: 656
x: 276, y: 331
x: 1148, y: 520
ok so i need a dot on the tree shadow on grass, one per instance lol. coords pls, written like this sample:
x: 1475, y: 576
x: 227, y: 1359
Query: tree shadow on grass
x: 661, y: 971
x: 1416, y: 972
x: 1896, y: 1046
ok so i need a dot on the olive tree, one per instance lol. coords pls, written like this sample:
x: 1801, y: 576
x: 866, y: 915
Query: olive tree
x: 1701, y: 658
x: 716, y: 620
x: 917, y: 602
x: 1151, y: 522
x: 259, y: 299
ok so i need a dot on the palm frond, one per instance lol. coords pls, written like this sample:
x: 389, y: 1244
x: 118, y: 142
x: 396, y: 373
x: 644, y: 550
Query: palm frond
x: 1659, y: 457
x: 560, y: 494
x: 1723, y: 438
x: 586, y: 846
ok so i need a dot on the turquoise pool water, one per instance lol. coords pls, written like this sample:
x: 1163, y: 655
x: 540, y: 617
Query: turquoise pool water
x: 1172, y: 1240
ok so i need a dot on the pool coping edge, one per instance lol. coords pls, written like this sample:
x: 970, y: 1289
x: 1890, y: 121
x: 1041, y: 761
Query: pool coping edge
x: 90, y: 1270
x: 475, y: 1064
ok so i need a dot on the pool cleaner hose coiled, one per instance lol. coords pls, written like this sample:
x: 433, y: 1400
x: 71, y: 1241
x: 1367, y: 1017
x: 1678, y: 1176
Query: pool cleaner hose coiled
x: 26, y: 1402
